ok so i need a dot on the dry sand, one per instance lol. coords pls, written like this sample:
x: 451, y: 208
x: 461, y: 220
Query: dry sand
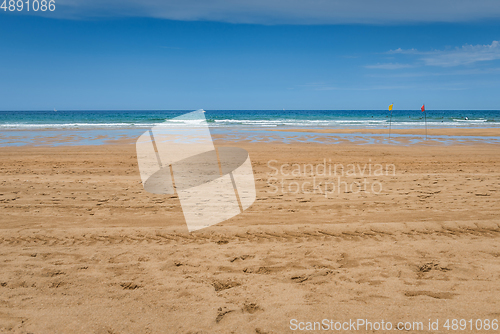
x: 84, y: 249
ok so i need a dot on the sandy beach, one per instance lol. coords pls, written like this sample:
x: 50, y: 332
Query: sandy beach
x: 84, y: 249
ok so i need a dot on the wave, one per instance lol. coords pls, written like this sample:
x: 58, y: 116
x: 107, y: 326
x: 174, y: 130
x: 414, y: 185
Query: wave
x: 470, y: 120
x: 74, y: 125
x: 348, y: 123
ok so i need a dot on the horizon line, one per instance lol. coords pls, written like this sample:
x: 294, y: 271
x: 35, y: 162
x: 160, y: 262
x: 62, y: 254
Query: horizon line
x: 21, y: 110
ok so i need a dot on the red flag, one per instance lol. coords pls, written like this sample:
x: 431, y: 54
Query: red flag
x: 423, y: 108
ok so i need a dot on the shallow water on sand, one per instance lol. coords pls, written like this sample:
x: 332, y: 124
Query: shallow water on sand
x: 255, y: 135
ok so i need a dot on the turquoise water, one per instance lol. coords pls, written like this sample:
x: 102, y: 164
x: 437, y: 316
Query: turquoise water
x: 53, y: 128
x: 337, y: 119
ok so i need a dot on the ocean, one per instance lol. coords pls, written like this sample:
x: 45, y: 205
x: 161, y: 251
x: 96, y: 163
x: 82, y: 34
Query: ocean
x: 97, y: 127
x: 335, y: 119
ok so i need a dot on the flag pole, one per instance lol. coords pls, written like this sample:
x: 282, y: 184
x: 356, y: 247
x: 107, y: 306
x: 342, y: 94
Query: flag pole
x: 390, y: 120
x: 425, y: 120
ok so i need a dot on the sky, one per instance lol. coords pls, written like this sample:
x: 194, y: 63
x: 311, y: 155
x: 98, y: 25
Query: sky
x: 274, y: 54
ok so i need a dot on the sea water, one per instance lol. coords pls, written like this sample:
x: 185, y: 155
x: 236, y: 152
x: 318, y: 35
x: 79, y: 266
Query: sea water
x: 88, y: 127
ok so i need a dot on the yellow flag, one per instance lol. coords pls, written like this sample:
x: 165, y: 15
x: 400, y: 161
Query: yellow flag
x: 390, y: 107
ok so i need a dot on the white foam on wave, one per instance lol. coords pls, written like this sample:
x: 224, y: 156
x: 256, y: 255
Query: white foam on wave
x: 360, y: 123
x: 471, y: 120
x: 72, y: 125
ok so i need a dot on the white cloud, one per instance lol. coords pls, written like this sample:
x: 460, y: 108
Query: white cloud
x: 401, y: 51
x: 454, y: 72
x: 465, y: 55
x: 389, y: 66
x: 287, y: 11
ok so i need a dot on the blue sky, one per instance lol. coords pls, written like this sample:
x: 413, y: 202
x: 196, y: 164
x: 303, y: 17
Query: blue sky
x: 86, y: 55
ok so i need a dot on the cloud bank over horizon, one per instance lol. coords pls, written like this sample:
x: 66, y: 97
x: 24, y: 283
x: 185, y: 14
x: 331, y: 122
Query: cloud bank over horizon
x: 271, y: 12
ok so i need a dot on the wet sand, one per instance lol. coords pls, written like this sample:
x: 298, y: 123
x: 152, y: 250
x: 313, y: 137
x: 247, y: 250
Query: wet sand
x: 431, y: 131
